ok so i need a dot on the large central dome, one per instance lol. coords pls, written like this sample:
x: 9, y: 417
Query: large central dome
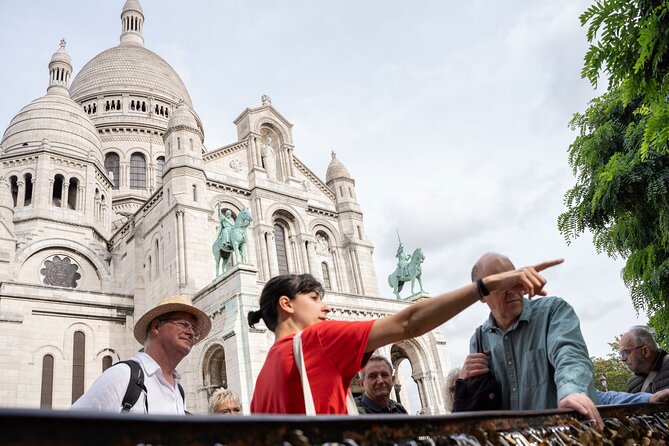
x: 129, y: 68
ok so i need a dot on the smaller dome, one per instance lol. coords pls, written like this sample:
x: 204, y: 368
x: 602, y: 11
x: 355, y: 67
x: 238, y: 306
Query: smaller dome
x: 183, y: 117
x: 132, y: 5
x: 336, y: 170
x: 61, y: 54
x: 58, y: 120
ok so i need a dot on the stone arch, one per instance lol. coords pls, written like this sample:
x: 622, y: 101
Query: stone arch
x: 234, y: 202
x: 411, y: 351
x: 214, y: 369
x: 68, y: 247
x: 68, y: 340
x: 107, y: 351
x: 275, y: 208
x: 48, y: 349
x: 274, y: 125
x: 324, y: 225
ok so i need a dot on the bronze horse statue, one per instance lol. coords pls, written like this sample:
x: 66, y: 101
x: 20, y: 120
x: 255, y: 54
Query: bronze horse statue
x: 411, y: 272
x: 236, y: 244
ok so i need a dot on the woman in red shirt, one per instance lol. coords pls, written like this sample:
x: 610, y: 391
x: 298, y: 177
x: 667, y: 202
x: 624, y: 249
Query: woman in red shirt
x: 334, y: 351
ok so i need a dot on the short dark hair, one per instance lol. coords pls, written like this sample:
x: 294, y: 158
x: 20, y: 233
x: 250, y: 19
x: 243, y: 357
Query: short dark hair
x: 377, y: 358
x: 288, y: 285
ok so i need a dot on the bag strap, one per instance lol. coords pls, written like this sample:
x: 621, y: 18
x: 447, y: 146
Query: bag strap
x: 135, y: 387
x: 479, y: 343
x: 310, y: 408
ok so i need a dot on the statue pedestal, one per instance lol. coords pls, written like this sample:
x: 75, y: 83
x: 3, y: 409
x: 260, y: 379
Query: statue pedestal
x: 418, y: 296
x: 240, y: 279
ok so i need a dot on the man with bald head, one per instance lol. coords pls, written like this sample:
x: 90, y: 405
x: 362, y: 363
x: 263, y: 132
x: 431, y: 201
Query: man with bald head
x: 534, y: 347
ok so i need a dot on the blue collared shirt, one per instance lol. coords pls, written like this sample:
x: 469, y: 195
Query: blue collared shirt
x: 541, y: 358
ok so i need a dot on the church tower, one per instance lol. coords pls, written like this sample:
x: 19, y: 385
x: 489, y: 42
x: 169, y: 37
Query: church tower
x: 359, y: 248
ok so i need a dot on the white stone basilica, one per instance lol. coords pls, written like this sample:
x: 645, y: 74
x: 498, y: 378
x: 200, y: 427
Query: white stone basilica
x: 109, y: 202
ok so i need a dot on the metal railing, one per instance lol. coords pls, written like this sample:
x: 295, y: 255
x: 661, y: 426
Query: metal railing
x: 553, y: 427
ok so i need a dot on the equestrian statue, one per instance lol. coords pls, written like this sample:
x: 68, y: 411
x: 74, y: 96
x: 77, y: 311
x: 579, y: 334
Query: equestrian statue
x: 231, y: 238
x: 408, y: 269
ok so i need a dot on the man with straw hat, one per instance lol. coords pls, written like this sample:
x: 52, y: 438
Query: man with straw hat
x: 168, y: 332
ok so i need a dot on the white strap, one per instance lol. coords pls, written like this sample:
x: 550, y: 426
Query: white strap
x: 309, y: 407
x: 651, y: 376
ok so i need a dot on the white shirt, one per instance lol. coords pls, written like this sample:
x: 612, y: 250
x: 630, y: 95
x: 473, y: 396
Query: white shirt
x: 106, y: 393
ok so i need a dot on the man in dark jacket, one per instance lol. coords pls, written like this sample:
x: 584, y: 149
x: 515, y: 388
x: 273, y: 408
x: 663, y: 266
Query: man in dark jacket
x: 649, y: 363
x: 378, y: 381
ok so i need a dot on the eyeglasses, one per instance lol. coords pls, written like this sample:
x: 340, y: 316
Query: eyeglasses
x: 186, y: 326
x: 625, y: 353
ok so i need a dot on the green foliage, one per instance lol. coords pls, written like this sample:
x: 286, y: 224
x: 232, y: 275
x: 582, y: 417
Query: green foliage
x: 612, y: 369
x: 630, y: 44
x: 620, y: 156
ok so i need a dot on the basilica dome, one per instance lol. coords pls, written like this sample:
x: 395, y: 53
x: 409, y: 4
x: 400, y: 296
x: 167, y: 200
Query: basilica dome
x: 54, y: 119
x: 129, y: 68
x: 58, y: 119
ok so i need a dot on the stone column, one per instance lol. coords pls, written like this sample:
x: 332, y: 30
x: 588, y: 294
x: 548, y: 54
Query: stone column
x: 64, y: 195
x: 356, y: 287
x: 81, y: 194
x: 271, y: 254
x: 180, y: 249
x: 305, y: 255
x: 21, y: 197
x: 289, y: 151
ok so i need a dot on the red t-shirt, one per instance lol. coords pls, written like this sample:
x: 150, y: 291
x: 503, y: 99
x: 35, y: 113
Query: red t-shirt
x: 334, y: 351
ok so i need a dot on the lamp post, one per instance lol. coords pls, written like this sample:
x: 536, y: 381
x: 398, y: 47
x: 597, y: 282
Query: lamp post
x: 602, y: 380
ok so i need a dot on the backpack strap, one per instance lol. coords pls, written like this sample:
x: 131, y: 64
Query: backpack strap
x: 135, y: 386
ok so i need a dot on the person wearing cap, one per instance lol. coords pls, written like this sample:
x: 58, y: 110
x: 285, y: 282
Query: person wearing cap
x: 168, y: 332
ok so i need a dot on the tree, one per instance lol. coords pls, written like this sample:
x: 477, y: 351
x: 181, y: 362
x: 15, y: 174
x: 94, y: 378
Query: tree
x: 614, y: 371
x: 620, y: 156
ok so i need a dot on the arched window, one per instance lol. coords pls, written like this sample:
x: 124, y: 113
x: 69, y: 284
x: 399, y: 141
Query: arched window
x: 359, y: 232
x: 341, y: 191
x: 78, y: 364
x: 191, y: 144
x: 14, y: 185
x: 28, y: 196
x: 72, y: 193
x: 178, y: 143
x: 326, y: 276
x: 160, y: 164
x: 280, y: 242
x: 112, y: 165
x: 57, y: 193
x: 194, y: 192
x: 46, y: 394
x: 149, y: 267
x: 106, y: 362
x: 137, y: 171
x: 214, y: 372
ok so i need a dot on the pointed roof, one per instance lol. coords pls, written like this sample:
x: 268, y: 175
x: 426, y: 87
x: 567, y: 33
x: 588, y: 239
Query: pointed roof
x: 336, y: 170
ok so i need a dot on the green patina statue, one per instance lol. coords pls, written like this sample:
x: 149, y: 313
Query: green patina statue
x: 231, y: 238
x: 408, y: 269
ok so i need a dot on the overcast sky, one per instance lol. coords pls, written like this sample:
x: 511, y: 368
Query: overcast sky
x: 451, y: 116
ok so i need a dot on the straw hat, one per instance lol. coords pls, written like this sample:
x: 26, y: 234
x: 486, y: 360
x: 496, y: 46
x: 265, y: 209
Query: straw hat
x: 168, y: 305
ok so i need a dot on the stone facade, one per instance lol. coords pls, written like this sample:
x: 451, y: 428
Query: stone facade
x: 109, y: 202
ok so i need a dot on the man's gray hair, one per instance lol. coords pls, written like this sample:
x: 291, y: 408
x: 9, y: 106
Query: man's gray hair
x: 477, y: 270
x: 221, y: 395
x: 377, y: 358
x: 643, y: 335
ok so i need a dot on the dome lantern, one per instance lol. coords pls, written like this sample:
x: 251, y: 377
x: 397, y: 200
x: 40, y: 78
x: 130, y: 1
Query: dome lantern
x: 60, y: 71
x: 132, y: 23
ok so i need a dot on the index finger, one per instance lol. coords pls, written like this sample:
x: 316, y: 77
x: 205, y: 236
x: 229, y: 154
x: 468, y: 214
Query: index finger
x: 545, y: 265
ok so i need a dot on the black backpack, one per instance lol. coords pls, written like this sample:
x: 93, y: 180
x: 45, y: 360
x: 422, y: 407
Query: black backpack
x: 136, y: 386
